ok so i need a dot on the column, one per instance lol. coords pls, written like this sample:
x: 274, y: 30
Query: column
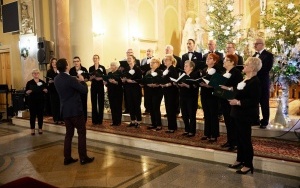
x: 81, y: 31
x: 63, y: 29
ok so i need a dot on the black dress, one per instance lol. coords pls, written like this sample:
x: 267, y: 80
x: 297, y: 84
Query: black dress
x: 115, y: 97
x: 36, y: 102
x: 73, y: 72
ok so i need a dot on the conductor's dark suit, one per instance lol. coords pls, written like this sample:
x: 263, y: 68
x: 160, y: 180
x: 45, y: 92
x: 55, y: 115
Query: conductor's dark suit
x: 69, y: 90
x: 73, y: 72
x: 267, y: 60
x: 196, y: 58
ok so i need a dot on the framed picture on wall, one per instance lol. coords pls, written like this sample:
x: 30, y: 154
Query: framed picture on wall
x: 26, y: 16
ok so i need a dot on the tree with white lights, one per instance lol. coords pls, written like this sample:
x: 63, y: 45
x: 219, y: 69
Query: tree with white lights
x: 222, y: 24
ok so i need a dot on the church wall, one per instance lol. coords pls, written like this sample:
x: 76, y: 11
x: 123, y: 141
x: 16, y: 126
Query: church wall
x: 172, y: 34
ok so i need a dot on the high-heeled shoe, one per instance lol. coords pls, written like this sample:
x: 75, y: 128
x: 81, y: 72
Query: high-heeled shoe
x: 235, y: 166
x: 245, y: 172
x: 32, y: 132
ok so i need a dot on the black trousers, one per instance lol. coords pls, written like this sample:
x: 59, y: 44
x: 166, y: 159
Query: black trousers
x: 55, y: 106
x: 115, y: 98
x: 264, y: 102
x: 211, y: 122
x: 36, y: 110
x: 170, y: 95
x: 97, y: 99
x: 71, y: 123
x: 84, y: 105
x: 126, y: 105
x: 134, y: 98
x: 155, y: 97
x: 244, y: 145
x: 189, y: 105
x: 229, y: 122
x: 147, y: 98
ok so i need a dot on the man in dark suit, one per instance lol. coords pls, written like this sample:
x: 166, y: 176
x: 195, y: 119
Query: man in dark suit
x: 194, y: 56
x: 267, y: 59
x: 129, y: 53
x: 230, y: 49
x: 169, y: 50
x: 69, y: 89
x: 212, y: 49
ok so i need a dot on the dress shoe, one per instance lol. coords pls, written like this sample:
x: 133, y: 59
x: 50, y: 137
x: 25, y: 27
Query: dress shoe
x: 146, y: 113
x: 131, y: 124
x: 190, y: 135
x: 170, y: 131
x: 212, y: 140
x: 115, y: 124
x: 87, y: 160
x: 185, y: 133
x: 151, y: 127
x: 70, y: 161
x: 232, y: 148
x: 235, y: 166
x: 204, y: 138
x: 158, y: 128
x: 226, y: 145
x: 137, y: 125
x: 245, y: 172
x: 125, y: 112
x: 262, y: 126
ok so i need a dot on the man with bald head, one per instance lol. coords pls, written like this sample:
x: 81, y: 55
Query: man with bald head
x: 170, y: 50
x: 267, y: 60
x: 212, y: 46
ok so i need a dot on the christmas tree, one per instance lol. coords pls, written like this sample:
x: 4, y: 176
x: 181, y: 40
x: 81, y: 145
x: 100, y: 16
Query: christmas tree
x: 282, y: 26
x: 222, y: 24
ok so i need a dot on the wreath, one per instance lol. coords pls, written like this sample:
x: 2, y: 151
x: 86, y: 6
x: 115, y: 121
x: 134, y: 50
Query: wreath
x: 24, y: 53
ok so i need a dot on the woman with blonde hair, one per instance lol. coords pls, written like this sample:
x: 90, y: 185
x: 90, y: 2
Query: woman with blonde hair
x: 170, y: 92
x: 35, y: 89
x: 155, y: 94
x: 245, y: 110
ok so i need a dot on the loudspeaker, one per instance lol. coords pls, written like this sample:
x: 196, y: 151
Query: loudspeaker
x: 45, y: 52
x: 18, y: 100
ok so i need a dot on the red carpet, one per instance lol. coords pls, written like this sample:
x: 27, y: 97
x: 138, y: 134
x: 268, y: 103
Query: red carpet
x: 264, y: 147
x: 26, y: 182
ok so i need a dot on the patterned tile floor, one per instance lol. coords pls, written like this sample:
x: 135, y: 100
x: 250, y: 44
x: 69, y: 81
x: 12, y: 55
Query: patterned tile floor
x: 41, y: 157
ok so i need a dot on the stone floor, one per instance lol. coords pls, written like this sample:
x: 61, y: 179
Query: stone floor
x: 41, y: 157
